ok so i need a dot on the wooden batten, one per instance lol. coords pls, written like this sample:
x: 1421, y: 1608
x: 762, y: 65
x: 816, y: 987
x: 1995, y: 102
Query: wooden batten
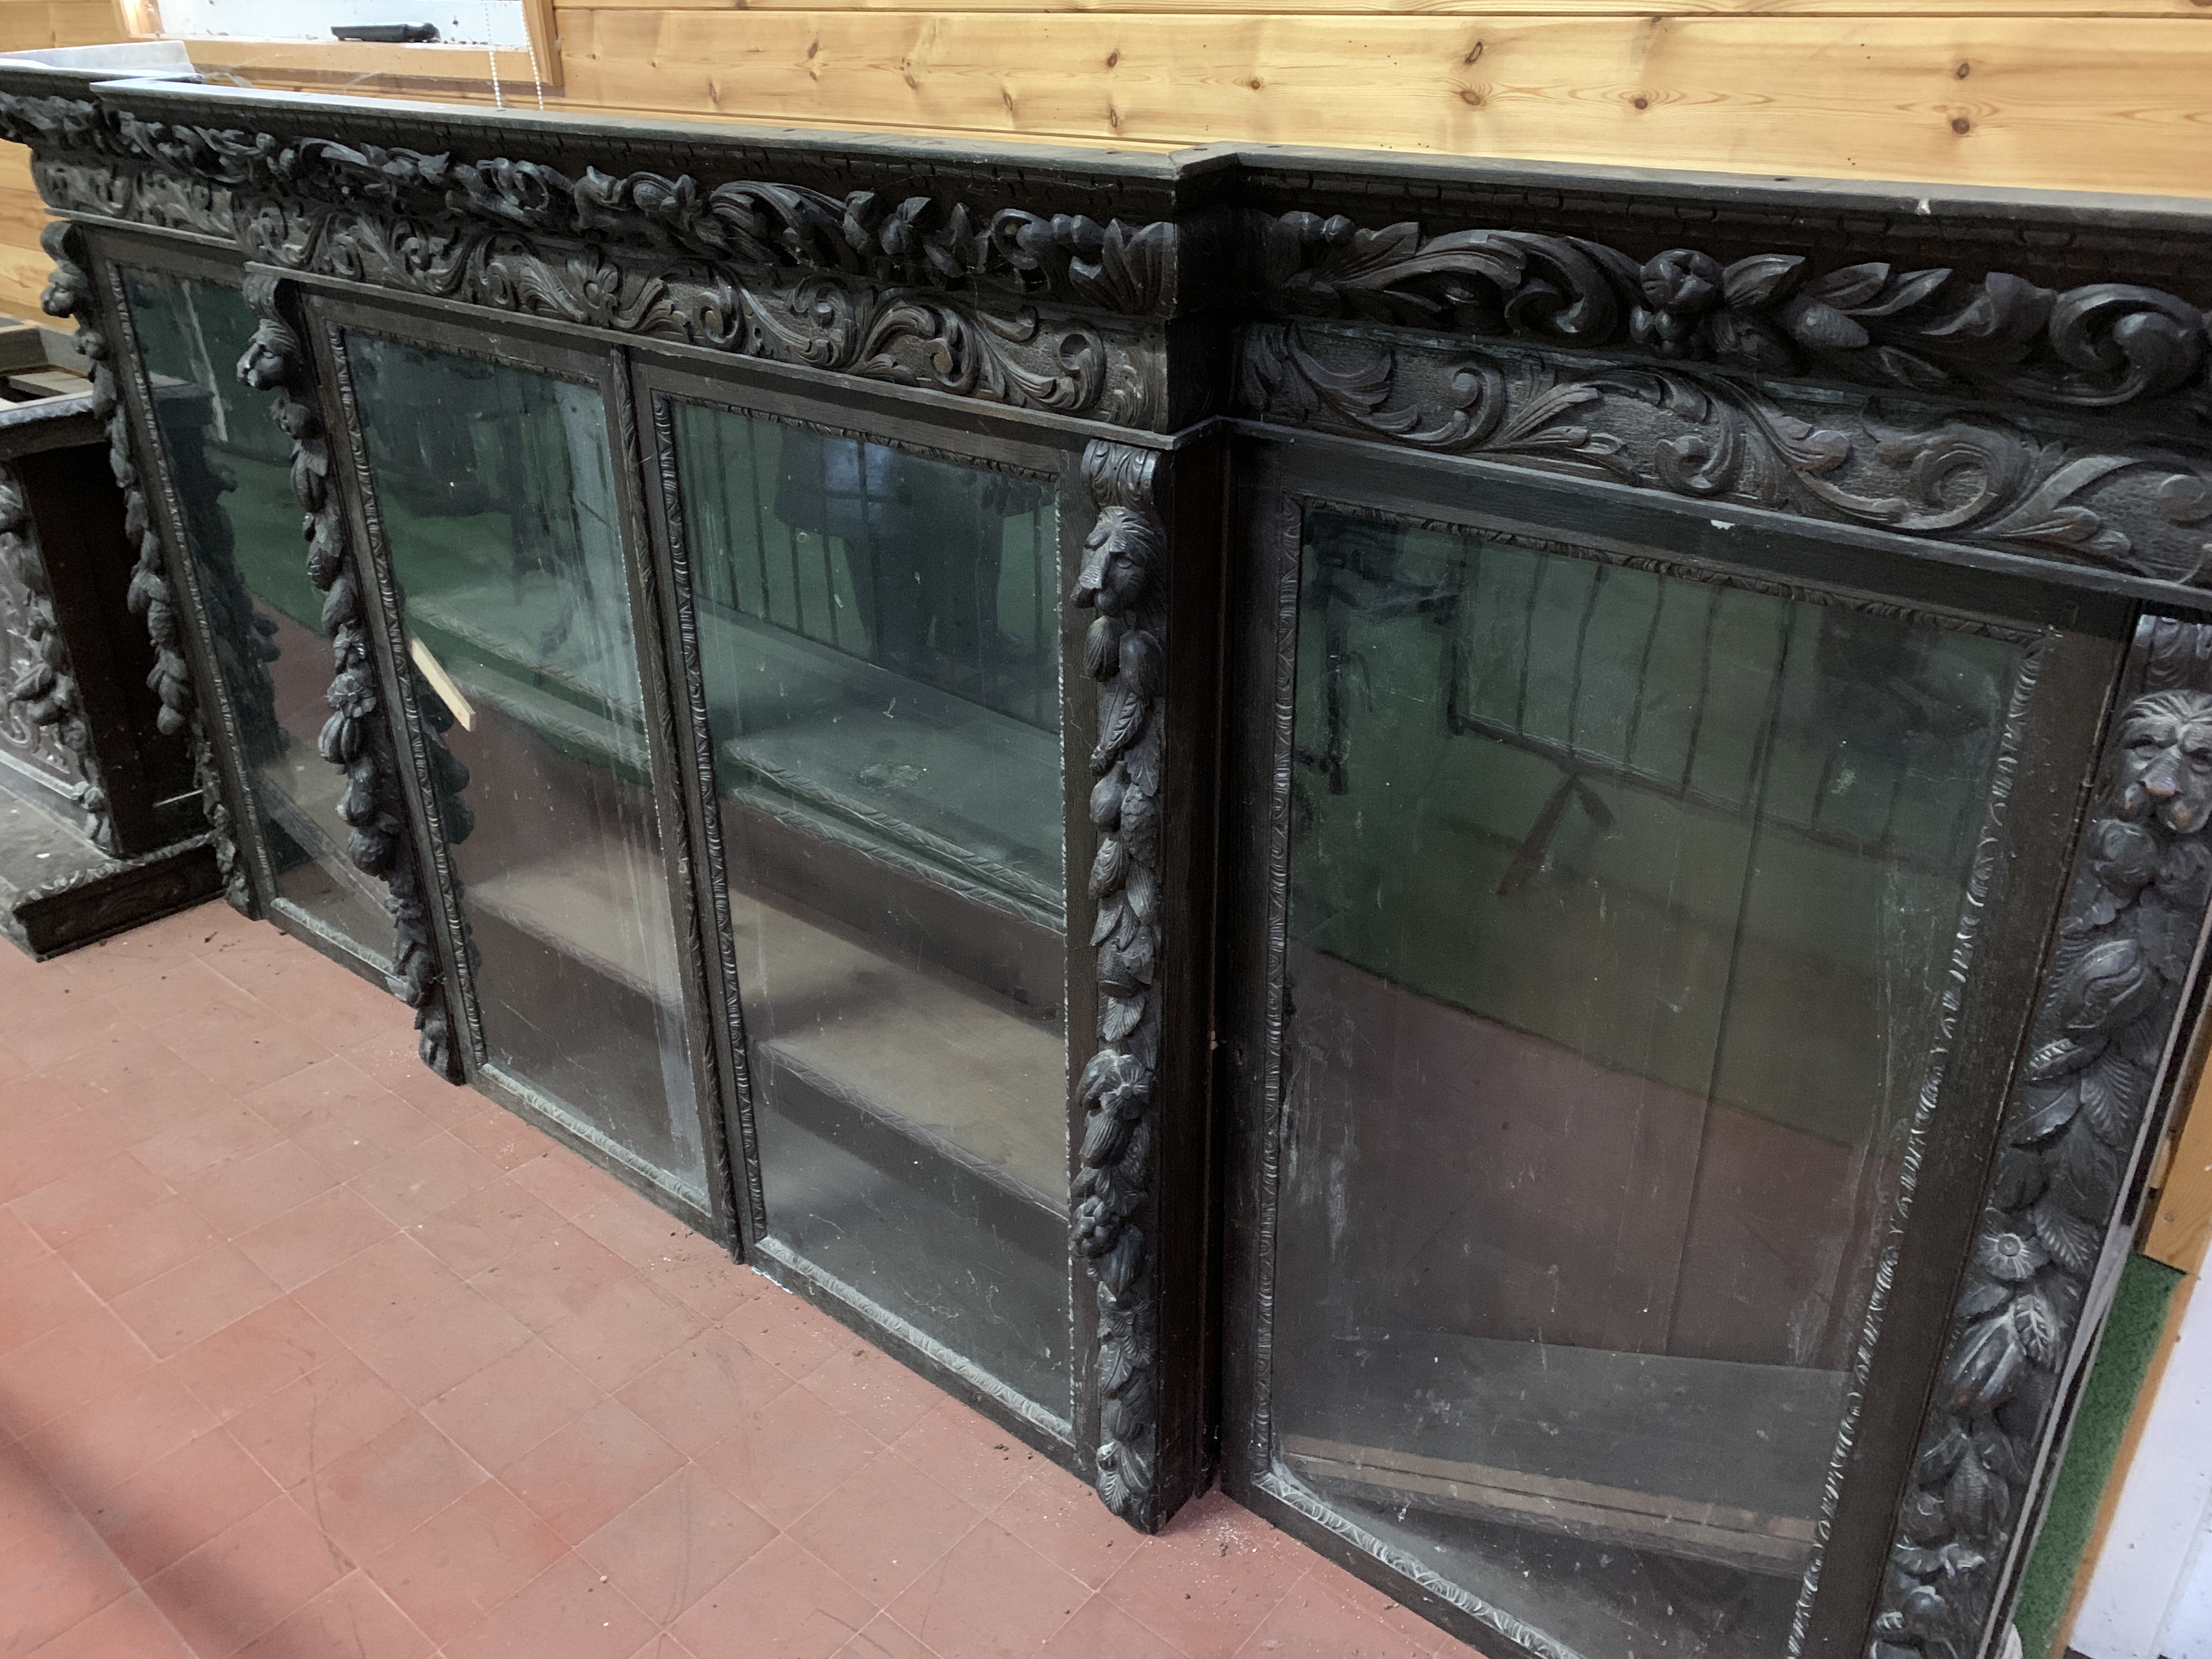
x: 2106, y: 95
x: 2052, y: 101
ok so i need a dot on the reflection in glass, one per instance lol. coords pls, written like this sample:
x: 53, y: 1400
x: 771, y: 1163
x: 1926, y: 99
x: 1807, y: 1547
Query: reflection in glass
x: 231, y: 468
x: 1621, y: 905
x: 879, y: 638
x: 497, y: 496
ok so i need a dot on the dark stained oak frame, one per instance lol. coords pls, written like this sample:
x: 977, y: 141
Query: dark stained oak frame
x: 113, y: 252
x: 1988, y: 406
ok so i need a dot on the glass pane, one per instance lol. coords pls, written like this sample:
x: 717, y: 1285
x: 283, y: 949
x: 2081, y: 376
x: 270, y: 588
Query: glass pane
x: 497, y: 494
x: 880, y: 638
x: 241, y: 522
x: 1622, y: 909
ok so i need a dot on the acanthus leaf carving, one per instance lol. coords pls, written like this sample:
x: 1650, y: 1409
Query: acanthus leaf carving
x: 1691, y: 429
x: 2098, y: 346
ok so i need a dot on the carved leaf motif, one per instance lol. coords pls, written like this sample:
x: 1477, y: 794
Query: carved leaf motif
x: 1941, y: 1455
x: 2073, y: 1242
x: 1762, y: 279
x: 2113, y: 1091
x: 1976, y: 1500
x: 1982, y: 1295
x: 2050, y: 1109
x: 2085, y: 1175
x: 2107, y: 988
x: 2048, y: 515
x: 1852, y: 286
x: 2038, y: 1328
x: 1110, y: 865
x: 2060, y: 1056
x: 1987, y: 1363
x: 1121, y: 715
x: 1131, y: 272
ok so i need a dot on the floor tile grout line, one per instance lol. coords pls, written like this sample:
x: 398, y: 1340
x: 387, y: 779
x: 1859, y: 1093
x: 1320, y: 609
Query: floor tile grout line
x: 580, y: 1198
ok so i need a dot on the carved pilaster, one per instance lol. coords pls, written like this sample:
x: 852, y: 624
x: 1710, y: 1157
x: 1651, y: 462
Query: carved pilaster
x: 356, y: 738
x: 2074, y: 1129
x: 71, y: 294
x: 45, y: 690
x: 1124, y: 579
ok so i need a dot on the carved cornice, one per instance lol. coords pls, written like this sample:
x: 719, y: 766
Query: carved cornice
x: 1690, y: 429
x: 1016, y: 354
x: 2074, y: 1130
x: 1006, y: 304
x: 2103, y: 345
x: 918, y: 242
x: 357, y: 738
x: 71, y: 294
x: 1123, y: 578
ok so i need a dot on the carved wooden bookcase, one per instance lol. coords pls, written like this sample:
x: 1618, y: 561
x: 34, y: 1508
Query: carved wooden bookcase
x: 79, y: 725
x: 1979, y: 415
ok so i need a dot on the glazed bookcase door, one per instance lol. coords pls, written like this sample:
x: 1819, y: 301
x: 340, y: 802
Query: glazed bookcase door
x: 871, y: 613
x: 1644, y: 937
x: 496, y: 491
x: 222, y: 492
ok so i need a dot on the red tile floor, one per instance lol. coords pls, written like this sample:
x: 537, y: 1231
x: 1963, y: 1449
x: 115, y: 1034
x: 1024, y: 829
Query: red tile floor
x: 303, y: 1353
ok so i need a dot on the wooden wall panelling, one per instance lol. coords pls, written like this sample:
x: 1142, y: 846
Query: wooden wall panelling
x: 2062, y: 102
x: 2075, y: 9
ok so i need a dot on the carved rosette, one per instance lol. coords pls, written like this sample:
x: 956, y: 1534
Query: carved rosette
x: 1123, y: 578
x: 71, y: 294
x: 45, y: 685
x: 356, y: 738
x: 2073, y: 1127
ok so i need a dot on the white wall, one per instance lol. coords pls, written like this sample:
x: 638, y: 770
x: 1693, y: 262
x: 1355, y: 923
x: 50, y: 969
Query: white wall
x: 2151, y: 1596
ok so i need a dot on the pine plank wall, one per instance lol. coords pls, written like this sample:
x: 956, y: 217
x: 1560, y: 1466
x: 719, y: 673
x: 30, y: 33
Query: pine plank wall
x: 2089, y: 94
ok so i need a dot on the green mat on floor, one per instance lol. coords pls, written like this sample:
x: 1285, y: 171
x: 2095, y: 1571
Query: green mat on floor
x: 2124, y: 1357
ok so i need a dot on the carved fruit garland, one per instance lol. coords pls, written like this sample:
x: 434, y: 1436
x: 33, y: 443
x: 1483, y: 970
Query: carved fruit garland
x: 2127, y: 940
x: 45, y: 687
x: 1124, y: 565
x: 69, y: 294
x: 355, y: 737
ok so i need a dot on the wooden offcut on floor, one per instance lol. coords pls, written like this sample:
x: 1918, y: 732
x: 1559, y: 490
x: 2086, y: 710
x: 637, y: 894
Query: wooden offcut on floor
x: 303, y: 1354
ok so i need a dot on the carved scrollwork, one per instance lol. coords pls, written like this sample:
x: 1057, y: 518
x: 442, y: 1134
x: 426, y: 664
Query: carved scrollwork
x: 71, y: 294
x: 1123, y: 579
x: 1691, y: 430
x: 2094, y: 347
x: 1012, y: 354
x: 44, y: 691
x: 2073, y: 1129
x: 356, y: 738
x: 923, y: 241
x: 918, y: 291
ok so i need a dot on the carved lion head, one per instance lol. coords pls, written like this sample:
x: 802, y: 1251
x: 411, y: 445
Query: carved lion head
x: 1118, y: 556
x: 2166, y: 759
